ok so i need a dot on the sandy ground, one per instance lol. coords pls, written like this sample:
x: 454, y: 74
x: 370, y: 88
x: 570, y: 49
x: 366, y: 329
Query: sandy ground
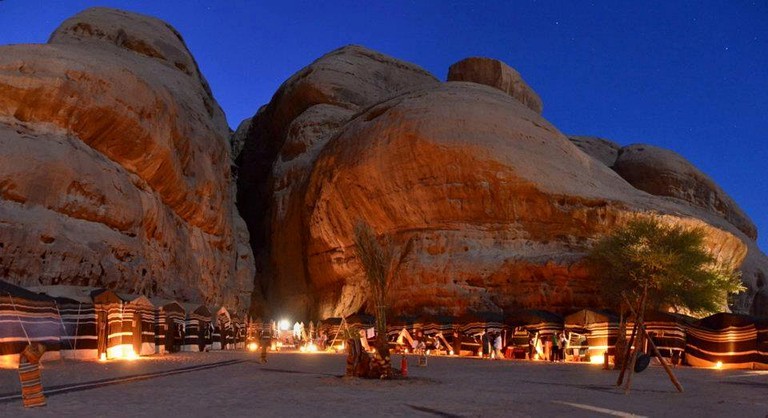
x: 310, y: 385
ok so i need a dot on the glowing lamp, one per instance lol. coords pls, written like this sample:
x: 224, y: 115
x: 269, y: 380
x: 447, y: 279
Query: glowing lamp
x: 597, y: 359
x: 103, y: 357
x: 252, y: 346
x: 285, y: 325
x: 719, y: 365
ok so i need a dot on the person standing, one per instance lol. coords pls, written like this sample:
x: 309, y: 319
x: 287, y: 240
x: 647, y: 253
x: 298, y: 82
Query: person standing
x: 265, y: 341
x: 554, y: 354
x: 497, y: 345
x: 563, y: 343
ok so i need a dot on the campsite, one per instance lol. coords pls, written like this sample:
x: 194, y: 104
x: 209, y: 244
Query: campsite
x: 311, y: 384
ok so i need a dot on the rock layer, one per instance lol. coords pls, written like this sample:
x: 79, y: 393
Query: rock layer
x: 100, y: 187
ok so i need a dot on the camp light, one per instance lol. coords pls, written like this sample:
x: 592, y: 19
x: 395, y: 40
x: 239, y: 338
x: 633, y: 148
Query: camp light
x: 719, y: 365
x: 252, y: 346
x: 285, y: 325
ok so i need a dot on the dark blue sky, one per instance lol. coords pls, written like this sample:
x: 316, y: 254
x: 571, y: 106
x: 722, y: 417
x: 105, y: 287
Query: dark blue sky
x: 691, y: 76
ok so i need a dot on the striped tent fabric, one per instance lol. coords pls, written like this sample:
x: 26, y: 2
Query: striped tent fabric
x: 77, y: 313
x: 139, y: 324
x: 473, y: 324
x: 222, y: 324
x: 197, y: 324
x: 29, y: 374
x: 397, y: 323
x: 169, y: 318
x: 722, y: 337
x: 78, y: 338
x: 434, y: 324
x: 26, y: 317
x: 360, y: 321
x: 109, y: 323
x: 535, y: 321
x: 601, y: 329
x: 237, y: 337
x: 667, y: 331
x: 761, y: 360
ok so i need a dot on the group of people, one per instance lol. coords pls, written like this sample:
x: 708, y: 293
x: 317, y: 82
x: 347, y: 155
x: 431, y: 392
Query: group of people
x: 548, y: 347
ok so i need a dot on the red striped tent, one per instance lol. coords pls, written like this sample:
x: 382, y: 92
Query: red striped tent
x: 730, y: 339
x: 26, y: 317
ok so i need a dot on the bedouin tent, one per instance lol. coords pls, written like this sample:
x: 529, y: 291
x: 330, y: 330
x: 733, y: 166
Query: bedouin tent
x: 237, y: 338
x: 531, y: 323
x: 124, y: 324
x: 723, y: 337
x: 169, y: 321
x: 475, y: 323
x: 26, y: 317
x: 222, y: 326
x: 601, y: 328
x: 79, y: 337
x: 361, y: 322
x: 139, y: 317
x: 198, y: 327
x: 667, y: 331
x: 434, y: 324
x: 331, y: 327
x: 761, y: 360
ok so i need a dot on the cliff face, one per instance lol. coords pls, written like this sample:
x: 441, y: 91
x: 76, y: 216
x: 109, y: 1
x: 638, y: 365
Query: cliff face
x: 496, y: 207
x: 282, y: 142
x: 115, y: 166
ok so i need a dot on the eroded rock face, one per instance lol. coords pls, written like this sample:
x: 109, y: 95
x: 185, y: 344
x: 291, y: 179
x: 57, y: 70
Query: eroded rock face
x: 663, y: 172
x: 601, y: 149
x: 494, y: 73
x: 499, y: 206
x: 496, y: 207
x: 282, y: 143
x: 115, y: 166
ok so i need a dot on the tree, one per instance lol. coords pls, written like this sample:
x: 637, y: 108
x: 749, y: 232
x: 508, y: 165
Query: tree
x: 661, y: 265
x: 380, y: 260
x: 670, y: 262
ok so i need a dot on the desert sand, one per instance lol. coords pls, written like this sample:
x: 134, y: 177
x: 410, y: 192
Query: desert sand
x: 234, y: 383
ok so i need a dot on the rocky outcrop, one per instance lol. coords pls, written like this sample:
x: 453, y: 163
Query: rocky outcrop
x: 115, y: 166
x: 495, y: 206
x: 499, y: 207
x: 497, y: 74
x: 663, y: 172
x: 282, y: 143
x: 601, y: 149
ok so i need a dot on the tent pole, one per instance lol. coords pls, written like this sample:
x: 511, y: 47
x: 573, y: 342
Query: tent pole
x: 664, y: 364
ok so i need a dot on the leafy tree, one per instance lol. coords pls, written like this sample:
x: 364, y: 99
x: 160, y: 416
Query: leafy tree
x: 671, y: 262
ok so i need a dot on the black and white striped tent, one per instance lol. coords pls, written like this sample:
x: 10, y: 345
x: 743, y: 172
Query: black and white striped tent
x: 26, y: 317
x: 475, y: 323
x: 198, y: 327
x: 222, y: 327
x: 727, y: 338
x: 667, y: 330
x: 139, y: 320
x: 79, y: 338
x: 169, y: 325
x: 601, y: 328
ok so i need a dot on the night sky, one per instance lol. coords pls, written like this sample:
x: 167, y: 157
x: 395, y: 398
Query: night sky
x: 690, y: 76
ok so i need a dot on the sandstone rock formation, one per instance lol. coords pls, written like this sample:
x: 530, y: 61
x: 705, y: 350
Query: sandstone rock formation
x: 115, y: 165
x: 495, y: 73
x: 663, y: 172
x: 282, y: 143
x: 498, y: 206
x: 603, y: 150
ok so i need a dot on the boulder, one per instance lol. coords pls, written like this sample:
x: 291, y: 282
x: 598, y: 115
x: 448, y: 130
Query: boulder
x: 601, y: 149
x: 496, y: 207
x: 115, y: 165
x: 494, y: 73
x: 662, y: 172
x: 281, y: 145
